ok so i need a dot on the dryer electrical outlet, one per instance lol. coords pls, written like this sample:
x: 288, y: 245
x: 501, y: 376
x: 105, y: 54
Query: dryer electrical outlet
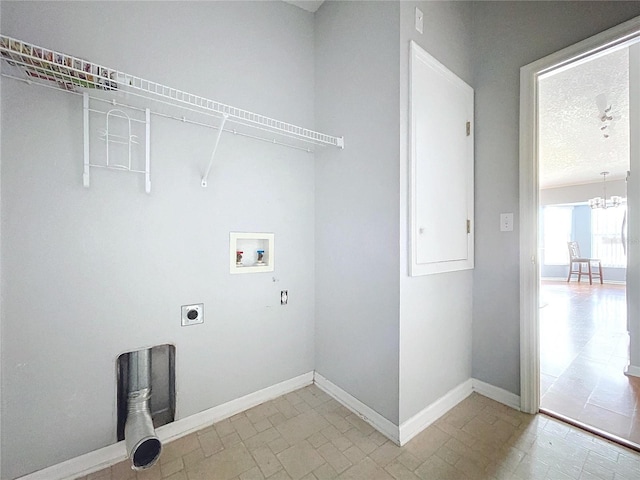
x: 192, y: 314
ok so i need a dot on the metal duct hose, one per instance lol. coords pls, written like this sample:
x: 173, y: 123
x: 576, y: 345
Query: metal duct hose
x: 143, y: 445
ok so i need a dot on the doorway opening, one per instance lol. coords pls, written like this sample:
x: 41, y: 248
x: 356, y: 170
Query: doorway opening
x: 583, y: 160
x: 576, y: 336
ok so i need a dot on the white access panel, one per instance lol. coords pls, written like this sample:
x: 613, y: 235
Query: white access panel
x: 441, y: 204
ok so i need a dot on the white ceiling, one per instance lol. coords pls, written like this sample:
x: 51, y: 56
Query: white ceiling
x: 572, y: 148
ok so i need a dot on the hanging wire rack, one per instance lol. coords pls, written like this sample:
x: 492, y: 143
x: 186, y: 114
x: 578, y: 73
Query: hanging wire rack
x: 124, y: 137
x: 46, y: 67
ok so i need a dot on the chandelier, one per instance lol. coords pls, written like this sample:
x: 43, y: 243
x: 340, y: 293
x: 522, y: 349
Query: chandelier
x: 603, y: 202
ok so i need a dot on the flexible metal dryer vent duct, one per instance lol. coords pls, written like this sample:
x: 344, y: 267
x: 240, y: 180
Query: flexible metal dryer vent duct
x: 143, y: 445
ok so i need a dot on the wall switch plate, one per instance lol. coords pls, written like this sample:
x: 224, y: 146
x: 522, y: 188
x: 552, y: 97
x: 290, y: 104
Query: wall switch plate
x: 284, y: 297
x: 506, y: 222
x: 419, y: 20
x: 192, y: 314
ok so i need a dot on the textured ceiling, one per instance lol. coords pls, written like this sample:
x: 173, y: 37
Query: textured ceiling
x: 572, y: 148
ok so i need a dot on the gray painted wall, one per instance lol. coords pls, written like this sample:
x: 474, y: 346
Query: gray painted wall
x: 435, y: 310
x: 1, y: 277
x: 91, y: 273
x: 357, y: 201
x: 507, y: 36
x: 361, y: 259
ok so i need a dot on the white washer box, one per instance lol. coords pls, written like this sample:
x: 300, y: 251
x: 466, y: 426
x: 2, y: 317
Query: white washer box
x: 249, y: 244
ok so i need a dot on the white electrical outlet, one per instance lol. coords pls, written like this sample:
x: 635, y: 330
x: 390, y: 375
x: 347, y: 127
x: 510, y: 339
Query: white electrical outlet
x: 284, y: 297
x: 192, y: 314
x: 506, y: 222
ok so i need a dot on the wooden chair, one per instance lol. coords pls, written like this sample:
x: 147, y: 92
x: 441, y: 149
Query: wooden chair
x: 576, y: 259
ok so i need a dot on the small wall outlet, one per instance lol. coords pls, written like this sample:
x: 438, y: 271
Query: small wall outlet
x: 506, y: 222
x: 192, y: 314
x: 284, y: 297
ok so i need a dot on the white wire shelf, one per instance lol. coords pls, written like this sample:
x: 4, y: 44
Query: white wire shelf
x: 46, y: 67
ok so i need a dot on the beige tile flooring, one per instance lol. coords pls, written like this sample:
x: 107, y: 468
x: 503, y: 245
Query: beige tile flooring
x: 308, y: 435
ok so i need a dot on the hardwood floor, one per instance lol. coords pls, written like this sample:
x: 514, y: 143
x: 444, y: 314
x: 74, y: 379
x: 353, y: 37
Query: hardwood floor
x: 583, y: 352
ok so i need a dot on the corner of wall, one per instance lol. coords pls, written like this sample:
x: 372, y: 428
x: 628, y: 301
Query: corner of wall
x: 427, y: 304
x: 500, y: 395
x: 356, y: 202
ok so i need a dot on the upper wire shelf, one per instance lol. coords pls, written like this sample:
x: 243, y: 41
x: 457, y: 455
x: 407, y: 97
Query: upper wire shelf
x: 47, y: 67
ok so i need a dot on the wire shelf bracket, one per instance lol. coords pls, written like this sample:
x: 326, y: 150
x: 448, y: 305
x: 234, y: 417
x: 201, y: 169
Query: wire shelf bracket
x: 205, y: 177
x: 45, y: 67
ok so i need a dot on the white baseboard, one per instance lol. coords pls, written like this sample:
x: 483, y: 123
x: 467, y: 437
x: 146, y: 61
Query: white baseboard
x: 498, y: 394
x: 632, y: 370
x: 416, y: 424
x: 112, y: 454
x: 377, y: 421
x: 431, y: 413
x: 82, y: 465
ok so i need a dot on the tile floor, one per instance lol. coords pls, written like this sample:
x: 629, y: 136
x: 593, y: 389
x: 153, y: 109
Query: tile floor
x: 583, y: 352
x: 308, y: 435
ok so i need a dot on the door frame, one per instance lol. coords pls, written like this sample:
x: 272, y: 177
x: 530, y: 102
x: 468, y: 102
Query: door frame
x: 619, y: 36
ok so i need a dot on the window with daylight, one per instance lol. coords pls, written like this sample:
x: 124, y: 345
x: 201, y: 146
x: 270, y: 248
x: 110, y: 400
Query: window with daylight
x: 557, y: 222
x: 606, y: 236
